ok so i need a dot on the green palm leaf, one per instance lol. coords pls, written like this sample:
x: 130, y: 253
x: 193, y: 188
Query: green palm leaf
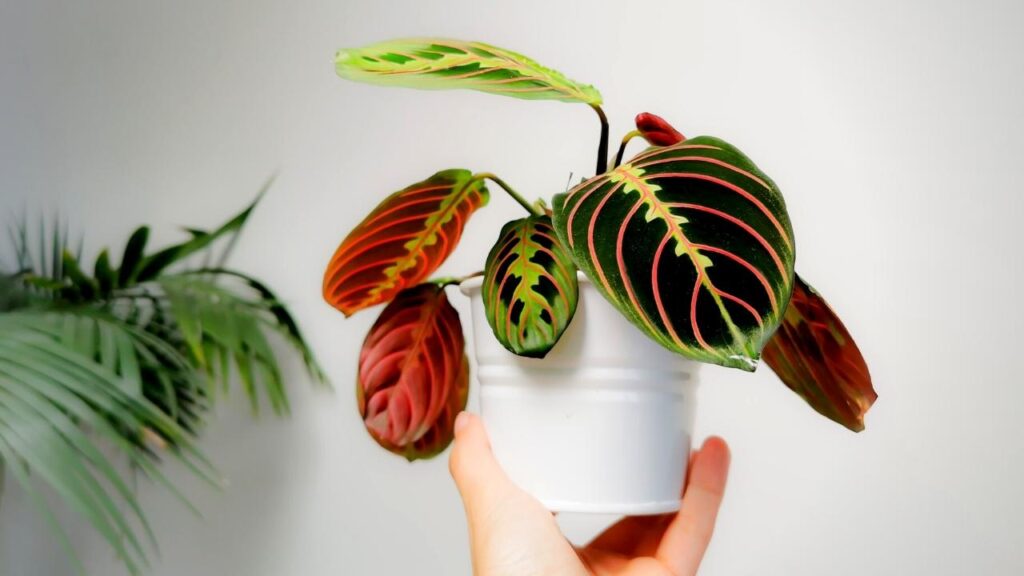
x: 102, y: 375
x: 222, y: 327
x: 60, y: 409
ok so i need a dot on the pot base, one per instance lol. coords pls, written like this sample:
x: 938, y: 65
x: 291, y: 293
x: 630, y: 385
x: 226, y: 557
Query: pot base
x: 602, y: 424
x: 591, y: 440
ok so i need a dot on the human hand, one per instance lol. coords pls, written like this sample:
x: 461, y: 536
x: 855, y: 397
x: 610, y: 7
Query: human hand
x: 512, y: 534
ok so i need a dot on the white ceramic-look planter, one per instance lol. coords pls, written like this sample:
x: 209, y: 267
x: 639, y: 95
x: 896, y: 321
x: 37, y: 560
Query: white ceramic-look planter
x: 602, y: 424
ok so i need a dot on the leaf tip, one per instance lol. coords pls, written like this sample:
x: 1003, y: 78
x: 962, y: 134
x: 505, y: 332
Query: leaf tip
x: 342, y: 59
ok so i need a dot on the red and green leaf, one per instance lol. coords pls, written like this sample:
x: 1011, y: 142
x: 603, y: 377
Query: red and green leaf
x: 815, y: 356
x: 530, y: 288
x: 811, y: 351
x: 691, y: 242
x: 440, y: 64
x: 403, y: 241
x: 413, y: 373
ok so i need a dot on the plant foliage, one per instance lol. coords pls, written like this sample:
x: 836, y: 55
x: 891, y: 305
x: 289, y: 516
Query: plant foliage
x: 119, y: 364
x: 441, y: 64
x: 530, y: 289
x: 815, y: 356
x: 689, y: 240
x: 402, y: 241
x: 413, y: 373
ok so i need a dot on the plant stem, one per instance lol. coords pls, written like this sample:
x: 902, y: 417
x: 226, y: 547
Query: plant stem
x: 468, y: 276
x: 622, y: 147
x: 515, y: 195
x: 602, y: 147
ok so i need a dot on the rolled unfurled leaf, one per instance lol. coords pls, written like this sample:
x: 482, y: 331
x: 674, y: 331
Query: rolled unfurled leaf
x: 691, y: 242
x: 403, y: 241
x: 656, y: 130
x: 440, y: 64
x: 413, y: 373
x: 530, y: 288
x: 815, y: 356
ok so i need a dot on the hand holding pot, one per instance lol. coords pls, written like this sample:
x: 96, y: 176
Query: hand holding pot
x: 512, y: 534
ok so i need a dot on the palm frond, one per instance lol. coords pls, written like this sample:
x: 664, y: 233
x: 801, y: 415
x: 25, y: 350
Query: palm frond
x: 222, y: 327
x: 152, y: 266
x: 59, y: 409
x: 127, y: 359
x: 285, y: 324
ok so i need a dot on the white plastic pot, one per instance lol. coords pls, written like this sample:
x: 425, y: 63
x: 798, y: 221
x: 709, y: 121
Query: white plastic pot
x: 602, y: 424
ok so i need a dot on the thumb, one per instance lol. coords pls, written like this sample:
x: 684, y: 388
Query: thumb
x: 509, y: 531
x: 480, y: 479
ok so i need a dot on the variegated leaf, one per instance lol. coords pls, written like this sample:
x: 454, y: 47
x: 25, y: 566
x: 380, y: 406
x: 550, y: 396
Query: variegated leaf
x: 530, y: 288
x: 413, y: 373
x: 811, y: 351
x: 815, y: 356
x: 402, y: 241
x: 691, y: 242
x: 439, y: 64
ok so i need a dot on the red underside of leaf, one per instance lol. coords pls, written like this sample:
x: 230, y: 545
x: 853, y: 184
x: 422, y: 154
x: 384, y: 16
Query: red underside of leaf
x: 815, y: 356
x: 413, y: 373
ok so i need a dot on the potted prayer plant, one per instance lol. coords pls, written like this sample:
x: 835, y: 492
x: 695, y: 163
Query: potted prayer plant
x: 591, y: 317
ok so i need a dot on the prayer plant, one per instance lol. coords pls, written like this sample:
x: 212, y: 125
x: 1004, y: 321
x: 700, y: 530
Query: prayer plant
x: 689, y: 240
x: 104, y: 375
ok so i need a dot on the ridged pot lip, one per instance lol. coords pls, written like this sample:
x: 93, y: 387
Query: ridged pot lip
x: 472, y: 286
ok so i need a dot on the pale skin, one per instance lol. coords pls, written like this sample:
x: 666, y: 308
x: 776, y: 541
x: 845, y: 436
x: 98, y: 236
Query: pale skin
x: 512, y: 534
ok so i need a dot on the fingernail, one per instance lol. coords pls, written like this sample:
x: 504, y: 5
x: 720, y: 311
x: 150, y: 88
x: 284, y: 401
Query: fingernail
x: 460, y: 421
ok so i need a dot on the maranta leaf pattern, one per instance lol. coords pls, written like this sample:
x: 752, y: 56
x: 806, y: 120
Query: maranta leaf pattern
x: 440, y: 64
x: 530, y: 289
x: 811, y: 351
x: 402, y: 241
x: 815, y: 356
x: 691, y: 242
x: 413, y: 373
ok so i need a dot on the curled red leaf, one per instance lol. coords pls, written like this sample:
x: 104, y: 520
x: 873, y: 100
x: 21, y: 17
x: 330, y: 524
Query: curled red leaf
x: 413, y: 373
x: 656, y: 130
x: 815, y: 356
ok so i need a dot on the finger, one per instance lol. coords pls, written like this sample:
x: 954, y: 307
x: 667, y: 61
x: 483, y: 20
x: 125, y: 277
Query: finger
x: 638, y: 535
x: 686, y: 538
x: 478, y: 476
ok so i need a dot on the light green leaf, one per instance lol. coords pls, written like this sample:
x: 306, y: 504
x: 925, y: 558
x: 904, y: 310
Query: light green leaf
x: 441, y: 64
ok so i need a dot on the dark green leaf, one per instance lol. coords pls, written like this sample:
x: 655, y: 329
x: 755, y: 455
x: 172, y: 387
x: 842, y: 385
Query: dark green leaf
x: 132, y: 258
x: 692, y: 243
x: 105, y: 276
x: 83, y: 286
x: 153, y: 265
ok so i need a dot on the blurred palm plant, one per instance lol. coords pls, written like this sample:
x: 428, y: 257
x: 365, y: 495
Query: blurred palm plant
x: 120, y: 365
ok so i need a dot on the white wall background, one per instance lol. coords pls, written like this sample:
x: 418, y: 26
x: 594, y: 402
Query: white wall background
x: 893, y: 127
